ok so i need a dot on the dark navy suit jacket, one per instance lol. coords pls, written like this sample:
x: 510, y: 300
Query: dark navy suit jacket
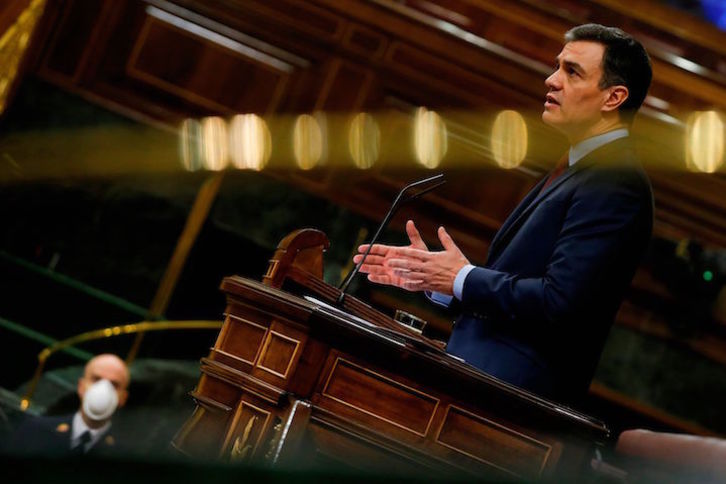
x: 51, y: 436
x: 539, y: 311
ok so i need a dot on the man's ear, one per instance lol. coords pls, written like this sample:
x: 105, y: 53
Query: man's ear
x: 81, y: 388
x: 615, y: 98
x: 122, y: 396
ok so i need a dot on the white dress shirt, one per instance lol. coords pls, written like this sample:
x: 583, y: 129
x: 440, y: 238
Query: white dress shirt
x: 78, y: 427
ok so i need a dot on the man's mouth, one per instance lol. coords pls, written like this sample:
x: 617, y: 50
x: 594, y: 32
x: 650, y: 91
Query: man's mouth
x: 550, y: 99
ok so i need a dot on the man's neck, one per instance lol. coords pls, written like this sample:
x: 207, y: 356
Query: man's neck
x: 601, y: 127
x: 93, y: 424
x: 587, y: 146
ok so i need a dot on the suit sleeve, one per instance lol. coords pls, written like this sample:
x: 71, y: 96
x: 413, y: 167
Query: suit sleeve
x: 604, y: 216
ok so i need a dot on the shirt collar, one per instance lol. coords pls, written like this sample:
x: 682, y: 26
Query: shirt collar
x: 587, y: 146
x: 79, y: 426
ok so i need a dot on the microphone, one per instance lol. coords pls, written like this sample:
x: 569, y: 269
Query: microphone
x: 430, y: 183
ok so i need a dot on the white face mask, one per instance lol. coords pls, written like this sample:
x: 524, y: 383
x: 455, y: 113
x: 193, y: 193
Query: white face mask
x: 100, y: 400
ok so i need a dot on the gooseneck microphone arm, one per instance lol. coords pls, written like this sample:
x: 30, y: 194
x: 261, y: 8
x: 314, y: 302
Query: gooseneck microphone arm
x: 432, y: 182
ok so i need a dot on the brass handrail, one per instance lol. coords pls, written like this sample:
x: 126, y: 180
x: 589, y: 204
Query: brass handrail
x: 109, y: 332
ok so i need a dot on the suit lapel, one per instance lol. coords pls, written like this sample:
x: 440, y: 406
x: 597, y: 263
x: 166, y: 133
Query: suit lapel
x: 504, y: 229
x: 534, y: 197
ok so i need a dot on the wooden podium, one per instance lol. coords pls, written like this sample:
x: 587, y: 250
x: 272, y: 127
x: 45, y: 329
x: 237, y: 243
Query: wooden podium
x: 296, y: 380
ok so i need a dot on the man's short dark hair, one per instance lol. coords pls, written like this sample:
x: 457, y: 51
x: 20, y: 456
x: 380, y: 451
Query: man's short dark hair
x: 625, y: 62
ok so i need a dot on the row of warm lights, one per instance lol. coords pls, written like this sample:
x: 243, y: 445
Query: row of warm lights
x: 245, y: 141
x: 211, y: 144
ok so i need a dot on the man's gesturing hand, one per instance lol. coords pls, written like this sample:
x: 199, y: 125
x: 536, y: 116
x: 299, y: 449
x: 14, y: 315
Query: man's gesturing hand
x: 415, y: 268
x: 376, y: 264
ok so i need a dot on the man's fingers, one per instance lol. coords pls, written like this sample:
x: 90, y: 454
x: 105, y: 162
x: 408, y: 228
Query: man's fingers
x: 405, y: 264
x: 380, y: 279
x: 378, y: 249
x: 414, y: 236
x: 409, y: 274
x: 371, y: 259
x: 412, y: 285
x: 410, y: 253
x: 446, y: 241
x: 373, y: 269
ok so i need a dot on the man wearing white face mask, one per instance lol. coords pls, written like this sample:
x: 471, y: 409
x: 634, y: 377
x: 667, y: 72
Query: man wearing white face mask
x: 102, y: 389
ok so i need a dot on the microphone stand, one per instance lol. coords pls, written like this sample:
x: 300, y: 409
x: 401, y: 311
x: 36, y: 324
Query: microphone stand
x: 435, y: 181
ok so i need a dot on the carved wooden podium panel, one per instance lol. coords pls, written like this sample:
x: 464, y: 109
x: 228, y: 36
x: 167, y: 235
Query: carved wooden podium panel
x: 296, y: 380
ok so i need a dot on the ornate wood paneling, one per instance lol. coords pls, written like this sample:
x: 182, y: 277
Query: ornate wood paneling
x: 243, y: 338
x: 487, y: 441
x: 245, y: 433
x: 278, y: 354
x: 378, y: 401
x: 348, y: 384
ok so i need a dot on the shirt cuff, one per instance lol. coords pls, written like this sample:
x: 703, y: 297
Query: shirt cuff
x: 459, y: 281
x: 439, y: 298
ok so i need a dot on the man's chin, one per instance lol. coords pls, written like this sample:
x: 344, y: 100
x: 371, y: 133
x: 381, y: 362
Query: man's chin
x: 549, y: 118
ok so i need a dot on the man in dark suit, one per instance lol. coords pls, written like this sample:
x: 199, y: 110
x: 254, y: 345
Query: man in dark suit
x: 538, y: 312
x: 101, y: 389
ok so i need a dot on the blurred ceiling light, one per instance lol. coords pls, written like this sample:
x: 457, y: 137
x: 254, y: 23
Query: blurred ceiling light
x: 364, y: 140
x: 214, y: 143
x: 430, y: 137
x: 190, y: 147
x: 509, y: 139
x: 704, y: 141
x: 307, y: 141
x: 250, y: 142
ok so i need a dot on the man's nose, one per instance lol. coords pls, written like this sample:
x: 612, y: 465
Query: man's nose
x: 553, y: 81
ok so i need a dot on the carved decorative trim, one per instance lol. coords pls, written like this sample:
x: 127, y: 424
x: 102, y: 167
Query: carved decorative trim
x: 259, y: 347
x: 240, y: 444
x: 234, y: 357
x: 249, y: 383
x: 265, y: 347
x: 389, y: 381
x: 499, y: 428
x: 208, y: 403
x: 374, y: 438
x: 271, y: 268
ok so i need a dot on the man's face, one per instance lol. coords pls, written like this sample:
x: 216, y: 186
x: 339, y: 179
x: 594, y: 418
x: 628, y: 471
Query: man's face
x: 106, y: 367
x: 574, y: 99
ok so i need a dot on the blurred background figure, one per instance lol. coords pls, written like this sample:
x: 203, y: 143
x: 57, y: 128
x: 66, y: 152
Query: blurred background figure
x: 101, y: 390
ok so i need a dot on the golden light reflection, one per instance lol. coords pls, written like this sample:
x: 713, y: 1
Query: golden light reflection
x: 509, y: 139
x: 250, y: 142
x: 214, y: 143
x: 430, y: 137
x: 13, y: 45
x: 307, y: 142
x: 364, y: 140
x: 190, y: 146
x: 704, y: 142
